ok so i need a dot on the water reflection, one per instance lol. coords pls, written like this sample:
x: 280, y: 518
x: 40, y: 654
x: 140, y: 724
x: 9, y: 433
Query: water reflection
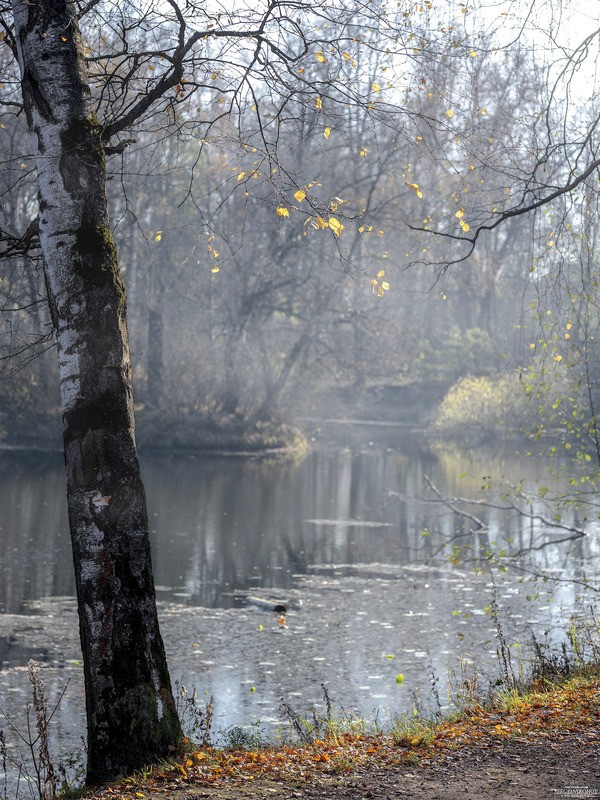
x: 224, y: 525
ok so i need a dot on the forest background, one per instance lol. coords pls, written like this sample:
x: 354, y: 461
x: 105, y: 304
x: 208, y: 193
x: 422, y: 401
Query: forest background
x: 246, y: 305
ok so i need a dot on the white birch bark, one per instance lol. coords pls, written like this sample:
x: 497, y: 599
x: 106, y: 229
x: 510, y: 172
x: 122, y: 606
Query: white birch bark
x: 131, y: 714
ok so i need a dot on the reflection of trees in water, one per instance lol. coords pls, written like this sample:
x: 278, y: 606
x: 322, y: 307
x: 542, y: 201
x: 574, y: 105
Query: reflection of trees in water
x: 34, y: 541
x: 227, y: 524
x: 527, y: 521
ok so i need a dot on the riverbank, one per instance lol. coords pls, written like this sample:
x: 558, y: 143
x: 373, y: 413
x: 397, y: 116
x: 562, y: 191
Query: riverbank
x: 180, y: 430
x: 174, y: 433
x: 542, y: 744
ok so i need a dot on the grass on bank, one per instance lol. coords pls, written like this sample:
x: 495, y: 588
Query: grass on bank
x: 546, y: 707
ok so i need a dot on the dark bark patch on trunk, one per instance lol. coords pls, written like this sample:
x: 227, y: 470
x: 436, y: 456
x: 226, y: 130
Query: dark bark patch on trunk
x: 40, y: 103
x: 82, y: 145
x: 96, y: 256
x: 108, y: 413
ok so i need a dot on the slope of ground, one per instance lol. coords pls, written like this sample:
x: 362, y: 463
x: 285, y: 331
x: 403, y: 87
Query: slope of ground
x: 541, y: 746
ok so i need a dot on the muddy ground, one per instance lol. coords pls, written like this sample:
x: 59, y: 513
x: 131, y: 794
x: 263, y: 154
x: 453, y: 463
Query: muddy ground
x: 537, y: 767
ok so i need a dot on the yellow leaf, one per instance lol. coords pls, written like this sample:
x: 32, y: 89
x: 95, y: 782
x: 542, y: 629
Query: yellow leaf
x: 282, y: 211
x: 380, y: 292
x: 327, y: 133
x: 64, y: 39
x: 483, y: 111
x: 336, y: 226
x: 415, y: 188
x: 569, y: 326
x: 300, y: 70
x: 299, y: 195
x: 385, y: 285
x: 158, y: 236
x: 320, y: 223
x: 381, y: 273
x: 465, y: 226
x: 373, y: 284
x: 532, y: 346
x: 460, y: 213
x: 363, y: 152
x: 376, y: 87
x: 320, y: 57
x: 318, y: 102
x: 347, y: 56
x: 558, y: 358
x: 214, y: 269
x: 473, y: 54
x: 150, y: 66
x: 216, y: 253
x: 139, y: 794
x: 449, y: 113
x: 241, y: 176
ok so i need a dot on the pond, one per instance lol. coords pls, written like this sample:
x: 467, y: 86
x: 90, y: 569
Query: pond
x: 340, y: 537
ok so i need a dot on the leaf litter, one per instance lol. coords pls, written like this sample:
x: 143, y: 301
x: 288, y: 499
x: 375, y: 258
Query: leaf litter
x: 552, y: 733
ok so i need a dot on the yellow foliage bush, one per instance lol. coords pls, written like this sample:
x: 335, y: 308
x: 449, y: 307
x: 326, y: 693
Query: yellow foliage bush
x: 486, y: 405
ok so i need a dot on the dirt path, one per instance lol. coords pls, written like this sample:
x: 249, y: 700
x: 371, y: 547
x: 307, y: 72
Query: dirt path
x: 565, y: 764
x: 520, y: 770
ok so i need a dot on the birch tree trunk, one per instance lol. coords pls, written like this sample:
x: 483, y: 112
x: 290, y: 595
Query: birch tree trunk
x: 131, y: 716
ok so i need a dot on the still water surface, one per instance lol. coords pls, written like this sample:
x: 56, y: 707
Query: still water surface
x: 369, y: 596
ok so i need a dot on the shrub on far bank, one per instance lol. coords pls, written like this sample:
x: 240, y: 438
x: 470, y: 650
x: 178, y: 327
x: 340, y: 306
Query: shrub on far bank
x: 547, y: 398
x: 481, y: 407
